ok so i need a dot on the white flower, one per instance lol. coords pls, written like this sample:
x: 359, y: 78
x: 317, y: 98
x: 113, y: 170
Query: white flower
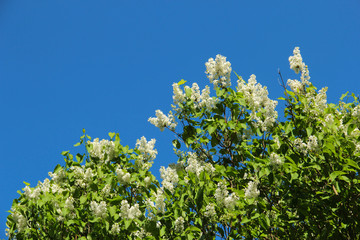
x: 357, y: 148
x: 300, y: 146
x: 179, y: 224
x: 45, y: 186
x: 257, y: 99
x: 134, y: 212
x: 147, y: 181
x: 32, y: 193
x: 147, y: 152
x: 115, y: 229
x: 356, y: 112
x: 158, y: 224
x: 69, y: 203
x: 104, y: 150
x: 220, y: 193
x: 179, y: 95
x: 210, y: 211
x: 160, y: 201
x: 230, y: 201
x: 20, y: 220
x: 128, y: 212
x: 219, y: 71
x: 106, y: 190
x: 312, y: 143
x: 59, y: 176
x: 98, y: 209
x: 123, y: 176
x: 296, y: 63
x: 88, y: 175
x: 207, y: 101
x: 275, y: 159
x: 162, y: 121
x: 195, y: 92
x: 251, y: 191
x: 296, y: 86
x: 197, y: 166
x: 170, y: 178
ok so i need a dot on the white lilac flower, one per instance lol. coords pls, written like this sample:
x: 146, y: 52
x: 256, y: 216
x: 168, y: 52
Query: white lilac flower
x: 45, y: 186
x: 123, y: 175
x: 295, y: 61
x: 104, y: 149
x: 147, y: 181
x: 316, y: 102
x: 160, y: 201
x: 195, y: 92
x: 312, y: 144
x: 55, y: 188
x: 356, y: 112
x: 221, y: 192
x: 179, y: 224
x: 179, y: 95
x: 202, y: 100
x: 275, y: 159
x: 206, y: 101
x: 128, y: 212
x: 195, y: 165
x: 88, y: 175
x: 210, y: 211
x: 140, y: 234
x: 251, y: 191
x: 147, y: 152
x: 162, y: 121
x: 277, y: 141
x: 257, y: 99
x: 230, y: 201
x: 219, y: 71
x: 296, y: 86
x: 134, y: 212
x: 357, y: 148
x: 32, y: 193
x: 329, y: 120
x: 170, y: 178
x: 82, y: 177
x: 106, y: 190
x: 158, y: 224
x: 300, y: 146
x: 115, y: 229
x: 59, y: 176
x: 98, y: 209
x: 69, y: 203
x: 20, y: 220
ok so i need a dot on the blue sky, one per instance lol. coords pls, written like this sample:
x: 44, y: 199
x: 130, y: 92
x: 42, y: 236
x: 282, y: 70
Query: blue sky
x: 106, y: 66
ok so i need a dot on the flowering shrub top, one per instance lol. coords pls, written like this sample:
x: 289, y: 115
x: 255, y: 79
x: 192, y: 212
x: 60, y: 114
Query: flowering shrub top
x: 241, y: 172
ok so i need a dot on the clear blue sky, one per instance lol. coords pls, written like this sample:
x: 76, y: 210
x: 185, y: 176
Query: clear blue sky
x: 108, y: 65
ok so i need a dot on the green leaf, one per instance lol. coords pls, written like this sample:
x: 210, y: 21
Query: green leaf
x: 83, y: 199
x: 162, y: 231
x: 64, y: 153
x: 127, y: 223
x: 245, y: 220
x: 176, y: 143
x: 335, y: 174
x: 26, y: 183
x: 344, y: 95
x: 111, y: 135
x: 181, y: 82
